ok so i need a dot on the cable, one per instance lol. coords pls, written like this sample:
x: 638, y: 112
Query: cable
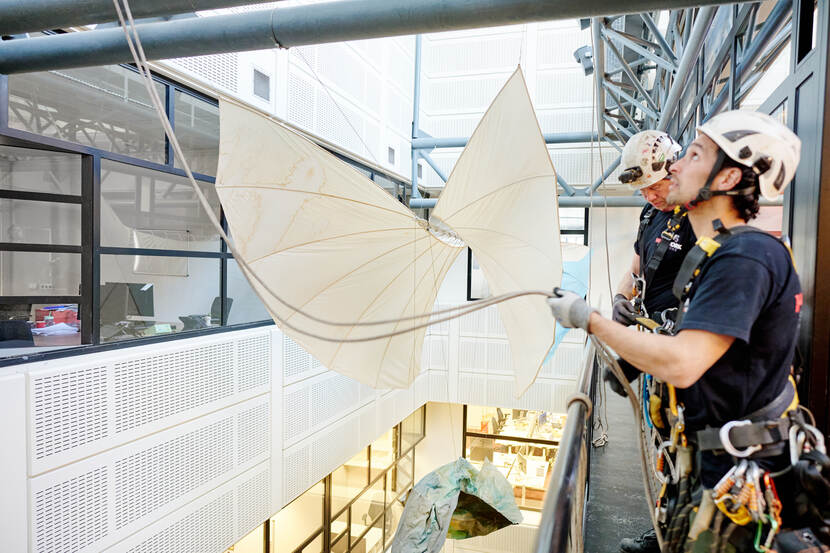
x: 134, y: 43
x: 608, y: 358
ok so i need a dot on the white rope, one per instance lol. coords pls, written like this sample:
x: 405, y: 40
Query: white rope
x: 134, y: 43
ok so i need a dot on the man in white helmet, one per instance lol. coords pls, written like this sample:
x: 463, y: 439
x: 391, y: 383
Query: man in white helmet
x: 738, y: 321
x: 663, y: 238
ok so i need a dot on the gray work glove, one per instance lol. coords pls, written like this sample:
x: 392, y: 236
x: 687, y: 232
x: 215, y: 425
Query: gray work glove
x: 624, y: 312
x: 569, y: 309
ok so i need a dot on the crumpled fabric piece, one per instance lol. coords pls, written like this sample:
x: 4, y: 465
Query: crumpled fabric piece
x: 455, y: 501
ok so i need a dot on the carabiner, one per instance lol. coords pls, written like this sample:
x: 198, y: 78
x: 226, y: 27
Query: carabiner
x: 727, y: 442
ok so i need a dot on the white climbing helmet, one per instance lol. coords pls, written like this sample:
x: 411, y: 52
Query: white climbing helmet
x: 646, y: 158
x: 758, y: 141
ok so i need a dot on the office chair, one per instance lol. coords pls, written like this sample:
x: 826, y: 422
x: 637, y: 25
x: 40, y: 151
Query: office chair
x: 15, y: 334
x: 216, y: 310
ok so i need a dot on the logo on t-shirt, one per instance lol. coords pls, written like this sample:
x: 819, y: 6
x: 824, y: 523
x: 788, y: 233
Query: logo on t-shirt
x: 799, y: 301
x: 674, y: 244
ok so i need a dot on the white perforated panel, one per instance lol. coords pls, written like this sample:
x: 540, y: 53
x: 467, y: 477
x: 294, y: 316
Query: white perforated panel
x: 295, y: 359
x: 300, y: 101
x: 253, y: 436
x: 69, y: 409
x: 253, y: 361
x: 206, y: 530
x: 438, y: 386
x: 555, y: 47
x: 216, y: 69
x: 550, y: 90
x: 332, y: 448
x: 453, y: 57
x: 151, y: 387
x: 71, y: 515
x: 253, y: 501
x: 472, y: 354
x: 333, y: 397
x: 156, y: 476
x: 498, y: 356
x: 470, y: 389
x: 295, y: 411
x: 454, y: 95
x: 295, y: 474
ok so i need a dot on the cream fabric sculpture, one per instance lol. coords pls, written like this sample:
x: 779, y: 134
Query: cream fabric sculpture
x: 334, y: 244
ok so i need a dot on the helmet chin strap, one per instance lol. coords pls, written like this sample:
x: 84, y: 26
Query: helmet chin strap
x: 706, y: 193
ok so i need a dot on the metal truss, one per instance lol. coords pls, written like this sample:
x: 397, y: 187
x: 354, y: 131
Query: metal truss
x: 675, y: 74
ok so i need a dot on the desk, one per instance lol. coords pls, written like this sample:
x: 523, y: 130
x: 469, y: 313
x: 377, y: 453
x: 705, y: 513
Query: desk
x: 61, y: 340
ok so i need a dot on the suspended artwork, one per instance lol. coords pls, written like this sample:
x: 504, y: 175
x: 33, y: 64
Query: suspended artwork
x: 336, y: 246
x: 455, y: 501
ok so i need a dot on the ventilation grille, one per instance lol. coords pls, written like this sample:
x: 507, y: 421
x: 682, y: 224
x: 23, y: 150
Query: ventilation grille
x: 300, y: 101
x: 215, y: 69
x: 254, y: 361
x: 332, y: 397
x: 253, y: 501
x: 253, y: 434
x: 295, y: 474
x: 208, y: 529
x: 71, y: 515
x: 295, y: 414
x: 153, y: 387
x: 69, y: 409
x: 295, y: 359
x: 156, y: 476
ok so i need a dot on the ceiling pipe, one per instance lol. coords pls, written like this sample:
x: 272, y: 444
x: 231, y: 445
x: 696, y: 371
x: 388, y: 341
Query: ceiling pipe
x: 23, y: 16
x: 429, y: 142
x: 299, y: 25
x: 687, y: 63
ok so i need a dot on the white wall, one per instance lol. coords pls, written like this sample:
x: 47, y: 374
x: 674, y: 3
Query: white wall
x: 193, y: 443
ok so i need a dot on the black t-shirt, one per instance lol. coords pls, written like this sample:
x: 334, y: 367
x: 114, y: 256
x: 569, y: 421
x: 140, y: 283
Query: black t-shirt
x: 659, y: 294
x: 749, y: 290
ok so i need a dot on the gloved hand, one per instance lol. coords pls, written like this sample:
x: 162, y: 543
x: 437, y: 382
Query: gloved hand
x: 630, y: 371
x: 569, y: 309
x: 624, y: 312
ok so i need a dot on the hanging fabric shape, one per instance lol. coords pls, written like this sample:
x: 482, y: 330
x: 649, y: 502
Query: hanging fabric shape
x: 501, y: 199
x: 338, y: 247
x: 455, y: 501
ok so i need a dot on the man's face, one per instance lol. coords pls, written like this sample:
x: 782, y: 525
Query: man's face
x: 656, y: 194
x: 689, y: 173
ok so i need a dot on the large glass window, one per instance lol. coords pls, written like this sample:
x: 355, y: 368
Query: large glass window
x: 142, y: 208
x: 346, y: 512
x: 197, y: 129
x: 151, y: 295
x: 243, y: 304
x: 522, y: 444
x: 104, y: 107
x: 40, y: 250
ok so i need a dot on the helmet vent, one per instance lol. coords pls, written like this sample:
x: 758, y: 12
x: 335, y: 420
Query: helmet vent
x: 745, y: 152
x: 762, y: 165
x: 779, y: 180
x: 734, y: 136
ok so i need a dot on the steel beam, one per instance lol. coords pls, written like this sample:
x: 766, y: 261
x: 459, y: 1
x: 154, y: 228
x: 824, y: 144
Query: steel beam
x: 23, y: 16
x: 426, y: 157
x: 299, y: 25
x: 599, y: 74
x: 661, y: 40
x: 416, y: 119
x: 428, y: 143
x: 625, y: 67
x: 607, y: 173
x: 687, y: 62
x: 620, y: 92
x: 775, y: 20
x: 640, y: 49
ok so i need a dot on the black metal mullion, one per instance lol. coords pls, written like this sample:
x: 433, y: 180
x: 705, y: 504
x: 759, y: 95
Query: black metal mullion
x: 223, y: 271
x: 88, y: 226
x: 464, y: 432
x: 169, y: 104
x: 509, y: 438
x: 40, y: 197
x: 95, y: 283
x: 4, y: 101
x: 327, y: 496
x: 41, y: 248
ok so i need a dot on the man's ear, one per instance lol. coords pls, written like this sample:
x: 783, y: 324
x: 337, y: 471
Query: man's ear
x: 727, y: 179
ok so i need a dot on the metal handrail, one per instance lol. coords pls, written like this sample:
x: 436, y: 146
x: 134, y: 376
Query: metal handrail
x: 560, y: 529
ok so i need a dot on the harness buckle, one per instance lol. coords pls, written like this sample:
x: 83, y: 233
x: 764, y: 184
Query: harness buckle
x: 709, y: 245
x: 727, y: 442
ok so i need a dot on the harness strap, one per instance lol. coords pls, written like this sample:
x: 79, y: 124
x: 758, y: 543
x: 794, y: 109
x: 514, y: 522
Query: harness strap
x: 645, y: 221
x: 762, y: 427
x: 672, y: 226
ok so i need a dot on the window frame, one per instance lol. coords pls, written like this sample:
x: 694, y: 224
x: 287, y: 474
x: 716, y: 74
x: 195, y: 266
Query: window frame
x: 88, y: 300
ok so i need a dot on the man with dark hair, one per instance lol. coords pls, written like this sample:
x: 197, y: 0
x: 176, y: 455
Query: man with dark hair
x: 738, y: 318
